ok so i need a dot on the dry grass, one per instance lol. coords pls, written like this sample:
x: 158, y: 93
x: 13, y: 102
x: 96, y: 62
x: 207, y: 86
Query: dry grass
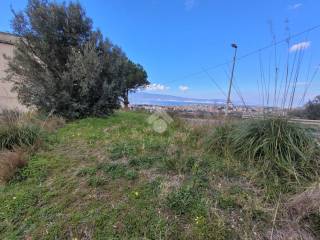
x: 305, y: 203
x: 296, y: 211
x: 21, y: 135
x: 292, y: 232
x: 52, y: 123
x: 10, y: 161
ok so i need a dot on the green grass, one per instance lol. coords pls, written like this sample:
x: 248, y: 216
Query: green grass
x: 18, y: 135
x: 116, y: 178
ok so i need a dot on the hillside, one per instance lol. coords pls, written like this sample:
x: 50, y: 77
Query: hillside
x: 117, y: 178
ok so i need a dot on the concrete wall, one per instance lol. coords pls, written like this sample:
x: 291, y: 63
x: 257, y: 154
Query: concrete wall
x: 7, y: 98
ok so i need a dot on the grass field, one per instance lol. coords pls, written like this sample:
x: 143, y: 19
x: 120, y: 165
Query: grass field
x: 116, y: 178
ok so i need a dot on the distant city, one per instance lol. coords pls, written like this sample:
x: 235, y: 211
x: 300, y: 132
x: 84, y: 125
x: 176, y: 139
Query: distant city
x: 168, y: 100
x: 191, y: 107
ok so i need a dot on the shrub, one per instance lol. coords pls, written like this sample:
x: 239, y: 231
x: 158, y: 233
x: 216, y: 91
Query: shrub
x: 312, y: 109
x: 62, y: 64
x: 10, y: 161
x: 18, y: 135
x: 19, y: 129
x: 278, y: 154
x: 276, y: 146
x: 96, y: 181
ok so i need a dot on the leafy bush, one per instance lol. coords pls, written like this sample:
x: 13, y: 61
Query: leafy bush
x: 62, y: 64
x: 312, y: 109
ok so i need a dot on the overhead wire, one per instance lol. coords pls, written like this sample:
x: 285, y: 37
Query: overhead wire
x: 248, y: 54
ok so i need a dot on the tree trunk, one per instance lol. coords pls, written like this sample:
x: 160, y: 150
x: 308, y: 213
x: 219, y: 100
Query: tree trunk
x: 126, y: 100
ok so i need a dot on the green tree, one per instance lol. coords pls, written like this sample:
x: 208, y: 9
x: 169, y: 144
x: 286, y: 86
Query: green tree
x: 135, y: 77
x: 312, y: 109
x: 61, y: 64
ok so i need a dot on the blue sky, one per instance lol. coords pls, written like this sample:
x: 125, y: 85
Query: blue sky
x: 174, y: 39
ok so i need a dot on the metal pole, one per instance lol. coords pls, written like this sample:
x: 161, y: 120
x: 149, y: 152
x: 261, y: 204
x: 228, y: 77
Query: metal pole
x: 231, y: 77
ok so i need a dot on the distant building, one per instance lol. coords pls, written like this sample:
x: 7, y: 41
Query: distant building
x: 8, y: 100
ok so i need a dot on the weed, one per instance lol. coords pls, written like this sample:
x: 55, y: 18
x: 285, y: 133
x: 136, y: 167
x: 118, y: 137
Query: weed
x: 186, y: 200
x: 87, y: 171
x: 227, y: 202
x: 122, y: 150
x: 212, y: 227
x: 37, y: 170
x: 219, y: 139
x: 131, y: 175
x: 96, y: 181
x: 118, y: 171
x: 144, y: 161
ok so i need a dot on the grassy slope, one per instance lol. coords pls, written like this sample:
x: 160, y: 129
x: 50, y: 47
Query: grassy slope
x: 116, y: 178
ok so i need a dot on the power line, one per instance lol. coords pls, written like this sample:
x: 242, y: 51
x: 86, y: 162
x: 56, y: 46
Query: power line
x: 215, y: 83
x: 273, y: 44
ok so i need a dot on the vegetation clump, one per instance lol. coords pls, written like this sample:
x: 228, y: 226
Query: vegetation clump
x: 15, y: 131
x: 310, y: 111
x: 62, y: 64
x: 276, y: 146
x: 279, y: 151
x: 20, y: 135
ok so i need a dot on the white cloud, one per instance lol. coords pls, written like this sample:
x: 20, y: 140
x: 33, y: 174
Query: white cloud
x: 183, y: 88
x: 300, y: 46
x: 295, y: 6
x: 189, y: 4
x: 156, y: 87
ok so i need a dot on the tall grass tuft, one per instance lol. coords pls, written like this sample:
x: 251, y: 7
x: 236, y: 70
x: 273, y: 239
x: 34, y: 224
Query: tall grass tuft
x: 276, y: 146
x: 220, y: 139
x: 16, y: 131
x: 18, y: 135
x: 278, y: 154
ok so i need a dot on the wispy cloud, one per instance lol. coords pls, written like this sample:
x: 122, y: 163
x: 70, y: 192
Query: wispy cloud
x: 183, y: 88
x: 295, y: 6
x: 300, y: 46
x: 189, y: 4
x: 156, y: 87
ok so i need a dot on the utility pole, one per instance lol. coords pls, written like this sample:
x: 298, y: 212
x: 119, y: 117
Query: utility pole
x: 231, y: 78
